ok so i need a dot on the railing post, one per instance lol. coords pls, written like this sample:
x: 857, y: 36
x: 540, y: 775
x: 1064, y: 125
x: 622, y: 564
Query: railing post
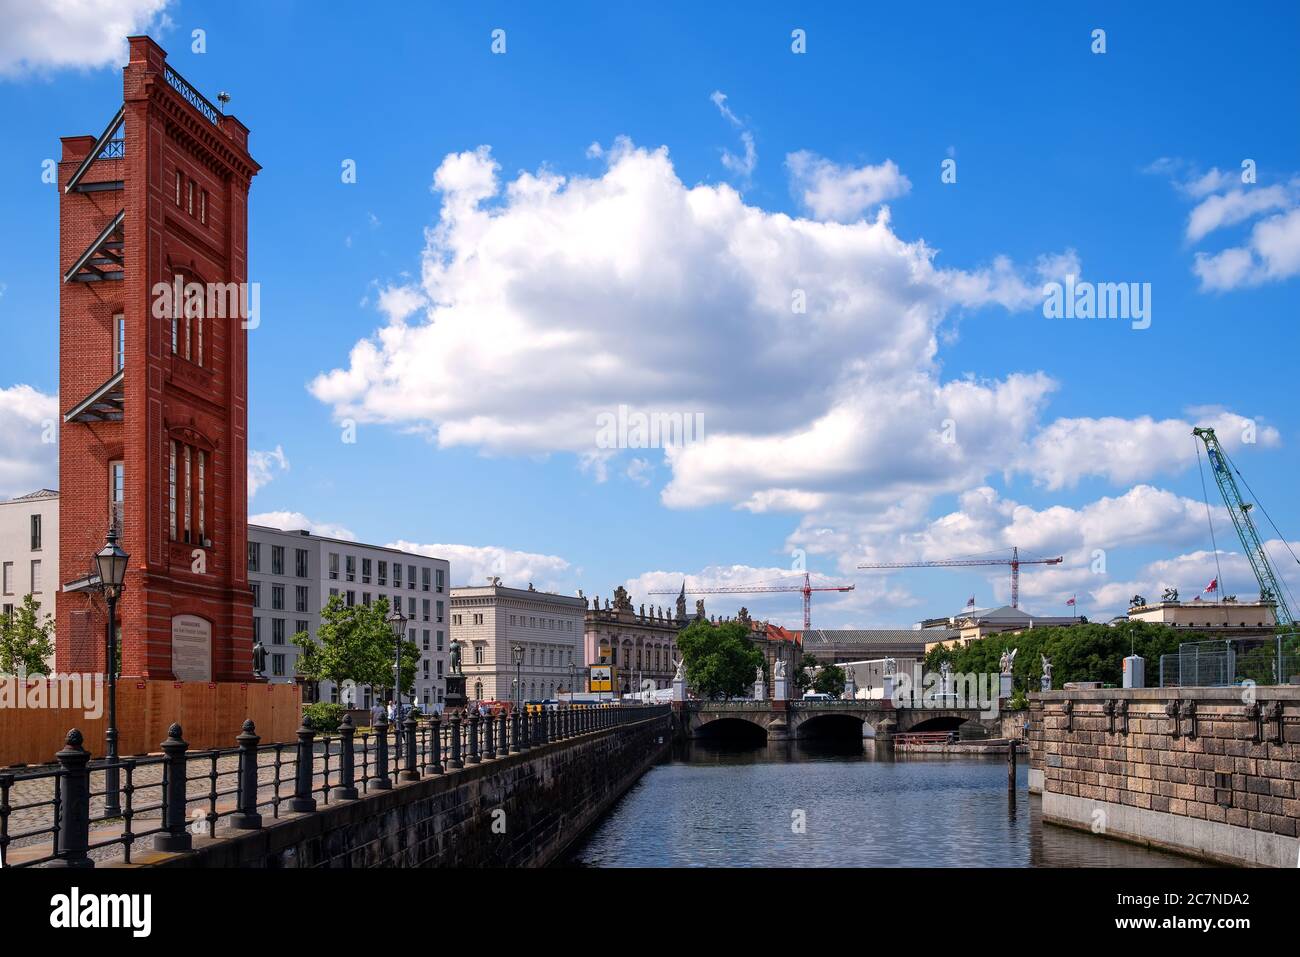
x: 503, y: 744
x: 74, y: 817
x: 435, y: 726
x: 489, y: 751
x: 525, y: 730
x: 175, y: 837
x: 382, y: 781
x: 455, y: 762
x: 347, y: 786
x: 544, y: 725
x: 303, y: 767
x: 514, y: 732
x: 246, y: 817
x: 474, y: 756
x: 409, y: 773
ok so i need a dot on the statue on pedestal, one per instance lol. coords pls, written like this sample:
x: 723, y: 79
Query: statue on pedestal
x: 454, y: 652
x: 1047, y: 672
x: 778, y: 671
x: 621, y: 600
x: 681, y: 671
x: 1008, y: 660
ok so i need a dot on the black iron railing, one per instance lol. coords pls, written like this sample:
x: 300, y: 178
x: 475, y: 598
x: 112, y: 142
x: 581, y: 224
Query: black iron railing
x: 182, y: 794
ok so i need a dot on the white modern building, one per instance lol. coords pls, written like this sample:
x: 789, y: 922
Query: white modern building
x: 293, y: 573
x: 29, y: 552
x: 491, y: 621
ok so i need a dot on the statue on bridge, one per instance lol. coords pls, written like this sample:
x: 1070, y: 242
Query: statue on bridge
x: 1047, y: 672
x: 681, y: 670
x: 778, y: 671
x: 1008, y: 660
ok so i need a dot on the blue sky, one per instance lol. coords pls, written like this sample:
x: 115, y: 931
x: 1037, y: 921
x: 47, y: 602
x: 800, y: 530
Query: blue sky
x: 520, y: 309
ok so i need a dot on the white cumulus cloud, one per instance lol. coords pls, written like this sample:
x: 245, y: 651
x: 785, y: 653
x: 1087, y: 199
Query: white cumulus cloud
x: 549, y: 300
x: 830, y: 191
x: 77, y: 34
x: 297, y: 521
x: 474, y: 564
x: 28, y: 417
x: 264, y: 466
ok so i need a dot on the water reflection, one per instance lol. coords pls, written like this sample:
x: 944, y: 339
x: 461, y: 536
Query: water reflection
x: 835, y: 802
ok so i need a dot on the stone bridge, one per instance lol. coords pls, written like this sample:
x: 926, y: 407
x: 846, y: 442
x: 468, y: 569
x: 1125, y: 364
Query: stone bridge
x: 781, y: 720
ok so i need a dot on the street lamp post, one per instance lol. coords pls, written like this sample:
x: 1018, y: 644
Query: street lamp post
x: 397, y: 623
x: 111, y: 562
x: 518, y: 652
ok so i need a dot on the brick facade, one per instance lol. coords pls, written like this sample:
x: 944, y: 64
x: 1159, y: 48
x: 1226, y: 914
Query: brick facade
x: 198, y: 402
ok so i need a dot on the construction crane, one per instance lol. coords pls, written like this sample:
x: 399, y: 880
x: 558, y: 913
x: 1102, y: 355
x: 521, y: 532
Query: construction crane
x: 806, y: 588
x: 1269, y: 585
x: 1015, y: 561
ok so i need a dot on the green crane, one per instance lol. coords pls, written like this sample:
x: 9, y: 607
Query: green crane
x: 1270, y: 588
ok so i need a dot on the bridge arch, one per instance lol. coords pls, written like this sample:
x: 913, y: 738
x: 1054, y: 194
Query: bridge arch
x: 835, y: 724
x: 731, y: 729
x: 945, y: 722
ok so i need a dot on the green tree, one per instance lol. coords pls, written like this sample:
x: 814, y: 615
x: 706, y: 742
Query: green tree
x: 355, y: 643
x: 26, y: 639
x: 803, y: 678
x: 830, y: 680
x: 1087, y: 652
x: 720, y: 659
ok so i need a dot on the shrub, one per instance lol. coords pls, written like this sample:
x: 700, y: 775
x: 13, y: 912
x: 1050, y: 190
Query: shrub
x: 325, y: 716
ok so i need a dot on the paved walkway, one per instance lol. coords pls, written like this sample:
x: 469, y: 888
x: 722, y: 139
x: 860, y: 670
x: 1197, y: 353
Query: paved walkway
x: 146, y: 799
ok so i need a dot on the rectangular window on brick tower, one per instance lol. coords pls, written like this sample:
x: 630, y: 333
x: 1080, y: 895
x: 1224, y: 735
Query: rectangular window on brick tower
x: 166, y: 405
x: 171, y: 491
x: 117, y: 495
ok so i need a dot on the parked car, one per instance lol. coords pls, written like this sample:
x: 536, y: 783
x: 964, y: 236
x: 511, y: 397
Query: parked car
x: 817, y: 696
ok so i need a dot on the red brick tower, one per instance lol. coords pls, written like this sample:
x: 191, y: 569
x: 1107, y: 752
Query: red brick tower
x: 154, y: 396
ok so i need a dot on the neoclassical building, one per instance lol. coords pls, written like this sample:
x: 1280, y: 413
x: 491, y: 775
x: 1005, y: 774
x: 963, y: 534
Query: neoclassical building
x: 642, y: 644
x: 491, y: 621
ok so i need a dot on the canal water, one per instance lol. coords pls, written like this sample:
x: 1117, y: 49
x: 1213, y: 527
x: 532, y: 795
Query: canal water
x: 834, y: 804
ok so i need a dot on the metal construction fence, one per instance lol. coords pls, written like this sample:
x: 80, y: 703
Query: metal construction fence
x: 1218, y: 664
